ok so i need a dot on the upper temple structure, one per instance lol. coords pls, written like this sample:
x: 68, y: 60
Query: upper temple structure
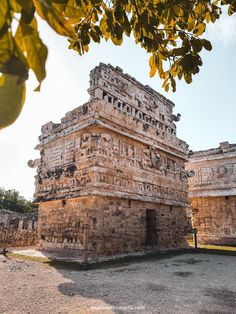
x: 115, y: 165
x: 212, y: 192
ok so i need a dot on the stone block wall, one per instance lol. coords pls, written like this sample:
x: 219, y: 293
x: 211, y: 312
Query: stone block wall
x: 215, y: 219
x: 115, y: 225
x: 116, y: 165
x: 212, y: 193
x: 17, y: 229
x: 18, y: 237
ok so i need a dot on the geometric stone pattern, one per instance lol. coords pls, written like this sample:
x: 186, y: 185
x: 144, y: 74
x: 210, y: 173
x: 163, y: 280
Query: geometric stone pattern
x: 120, y: 148
x: 212, y: 192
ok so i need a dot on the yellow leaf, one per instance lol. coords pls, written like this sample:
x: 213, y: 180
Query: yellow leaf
x: 116, y: 40
x: 27, y: 37
x: 59, y: 23
x: 167, y: 87
x: 208, y: 17
x: 191, y: 23
x: 103, y: 25
x: 199, y: 29
x: 86, y: 48
x: 72, y: 12
x: 165, y: 81
x: 153, y: 71
x: 15, y: 6
x: 27, y: 5
x: 3, y: 12
x: 151, y: 61
x: 6, y: 45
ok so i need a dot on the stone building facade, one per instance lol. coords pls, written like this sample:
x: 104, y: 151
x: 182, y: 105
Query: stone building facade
x: 115, y: 165
x: 212, y: 192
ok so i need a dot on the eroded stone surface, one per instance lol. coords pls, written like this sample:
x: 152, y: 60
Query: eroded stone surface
x: 212, y: 192
x: 17, y: 229
x: 109, y: 162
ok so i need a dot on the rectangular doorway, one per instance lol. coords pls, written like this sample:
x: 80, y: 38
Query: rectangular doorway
x: 151, y: 227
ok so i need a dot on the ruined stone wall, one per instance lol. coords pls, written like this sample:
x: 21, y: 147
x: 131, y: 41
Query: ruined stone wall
x: 115, y: 225
x: 17, y: 229
x: 10, y: 237
x: 17, y: 220
x: 212, y: 192
x: 215, y: 219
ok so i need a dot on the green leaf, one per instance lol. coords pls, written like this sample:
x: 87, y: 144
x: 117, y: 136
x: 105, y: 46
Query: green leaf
x: 188, y: 78
x: 95, y: 37
x: 15, y: 66
x: 27, y: 37
x: 206, y: 44
x: 196, y: 44
x: 12, y: 98
x: 188, y: 63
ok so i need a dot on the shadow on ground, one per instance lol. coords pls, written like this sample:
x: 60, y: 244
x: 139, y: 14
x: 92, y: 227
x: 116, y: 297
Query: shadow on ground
x: 173, y: 283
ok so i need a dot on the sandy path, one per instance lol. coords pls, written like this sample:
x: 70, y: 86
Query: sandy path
x: 184, y: 284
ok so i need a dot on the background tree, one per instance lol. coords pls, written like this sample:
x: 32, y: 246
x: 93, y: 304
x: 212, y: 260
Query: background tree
x: 170, y: 30
x: 11, y: 200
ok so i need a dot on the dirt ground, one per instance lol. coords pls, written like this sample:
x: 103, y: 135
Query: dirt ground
x: 182, y: 284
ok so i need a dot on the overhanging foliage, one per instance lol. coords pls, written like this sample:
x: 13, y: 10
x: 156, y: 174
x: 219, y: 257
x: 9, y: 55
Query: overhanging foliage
x: 170, y: 30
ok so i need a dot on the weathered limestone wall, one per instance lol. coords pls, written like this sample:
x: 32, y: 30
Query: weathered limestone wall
x: 118, y: 149
x: 215, y: 219
x: 17, y: 220
x: 17, y: 229
x: 18, y: 237
x: 109, y: 163
x: 115, y: 225
x: 212, y: 192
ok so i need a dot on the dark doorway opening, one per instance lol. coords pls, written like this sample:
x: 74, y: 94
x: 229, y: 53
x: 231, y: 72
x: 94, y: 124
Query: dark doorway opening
x: 151, y: 227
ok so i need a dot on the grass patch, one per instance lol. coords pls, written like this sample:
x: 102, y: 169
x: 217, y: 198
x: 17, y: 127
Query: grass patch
x: 218, y: 247
x: 213, y: 247
x: 28, y: 258
x: 47, y: 261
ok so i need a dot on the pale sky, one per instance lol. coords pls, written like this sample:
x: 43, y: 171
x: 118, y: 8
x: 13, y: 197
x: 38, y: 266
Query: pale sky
x: 207, y: 106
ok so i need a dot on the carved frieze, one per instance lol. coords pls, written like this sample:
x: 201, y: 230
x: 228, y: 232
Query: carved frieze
x: 215, y: 171
x: 123, y: 141
x: 132, y: 98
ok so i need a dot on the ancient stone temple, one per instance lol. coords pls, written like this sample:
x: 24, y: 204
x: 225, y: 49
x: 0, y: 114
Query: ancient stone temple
x: 116, y: 166
x: 212, y: 192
